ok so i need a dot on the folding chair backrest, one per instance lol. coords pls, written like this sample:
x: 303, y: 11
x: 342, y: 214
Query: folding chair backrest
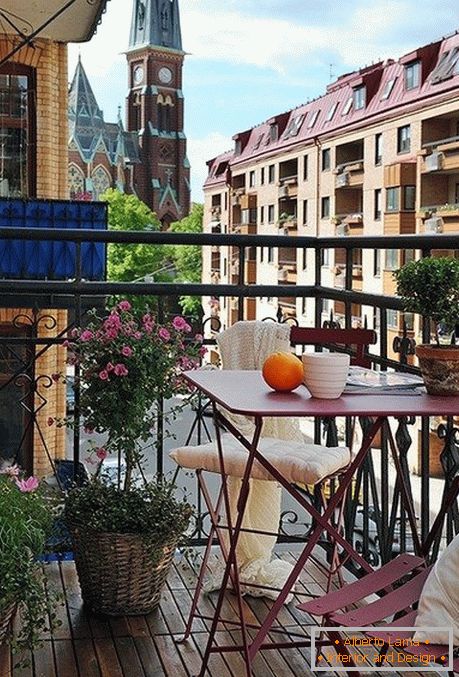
x: 358, y: 339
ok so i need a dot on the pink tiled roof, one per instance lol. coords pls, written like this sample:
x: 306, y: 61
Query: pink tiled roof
x: 375, y: 78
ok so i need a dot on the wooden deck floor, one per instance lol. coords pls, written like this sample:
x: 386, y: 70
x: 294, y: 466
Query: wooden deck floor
x: 85, y: 645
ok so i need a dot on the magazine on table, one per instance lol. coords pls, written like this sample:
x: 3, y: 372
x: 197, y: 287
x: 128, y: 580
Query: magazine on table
x: 363, y: 381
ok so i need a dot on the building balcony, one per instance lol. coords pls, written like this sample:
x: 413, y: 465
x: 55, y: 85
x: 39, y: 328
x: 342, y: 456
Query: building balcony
x: 348, y: 224
x: 245, y: 228
x: 441, y: 156
x: 350, y: 174
x: 248, y: 201
x: 288, y: 186
x: 352, y: 307
x: 399, y: 223
x: 288, y: 226
x: 439, y: 218
x: 287, y: 272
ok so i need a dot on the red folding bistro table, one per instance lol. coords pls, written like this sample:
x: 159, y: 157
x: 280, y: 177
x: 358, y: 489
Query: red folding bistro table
x: 245, y: 393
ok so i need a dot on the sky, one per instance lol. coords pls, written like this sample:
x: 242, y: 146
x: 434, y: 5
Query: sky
x: 250, y: 59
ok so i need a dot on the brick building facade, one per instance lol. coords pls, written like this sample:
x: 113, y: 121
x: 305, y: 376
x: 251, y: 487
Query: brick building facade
x: 34, y: 163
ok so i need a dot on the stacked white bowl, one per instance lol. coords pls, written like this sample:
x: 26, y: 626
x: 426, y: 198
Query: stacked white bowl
x: 325, y: 374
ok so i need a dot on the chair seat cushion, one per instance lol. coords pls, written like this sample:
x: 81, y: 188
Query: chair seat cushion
x: 297, y: 462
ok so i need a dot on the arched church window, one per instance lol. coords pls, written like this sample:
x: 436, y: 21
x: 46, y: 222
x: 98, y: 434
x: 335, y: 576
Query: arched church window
x: 100, y: 181
x: 76, y: 180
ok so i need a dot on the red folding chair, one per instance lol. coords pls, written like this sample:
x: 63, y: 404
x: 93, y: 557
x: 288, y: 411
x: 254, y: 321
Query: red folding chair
x: 398, y: 586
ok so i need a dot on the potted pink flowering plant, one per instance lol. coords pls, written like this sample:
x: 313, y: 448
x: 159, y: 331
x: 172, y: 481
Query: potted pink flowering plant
x: 125, y: 535
x: 25, y: 524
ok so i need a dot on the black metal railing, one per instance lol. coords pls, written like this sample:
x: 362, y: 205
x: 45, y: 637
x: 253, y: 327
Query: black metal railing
x: 374, y: 514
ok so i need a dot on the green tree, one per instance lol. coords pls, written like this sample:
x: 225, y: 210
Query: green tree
x: 187, y: 259
x: 129, y: 262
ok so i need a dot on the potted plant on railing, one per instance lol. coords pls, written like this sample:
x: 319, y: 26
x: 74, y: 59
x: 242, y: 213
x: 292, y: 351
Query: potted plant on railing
x: 430, y: 287
x: 26, y: 518
x: 125, y: 533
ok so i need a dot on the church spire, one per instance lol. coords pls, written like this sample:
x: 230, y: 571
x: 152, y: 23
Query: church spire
x: 155, y: 23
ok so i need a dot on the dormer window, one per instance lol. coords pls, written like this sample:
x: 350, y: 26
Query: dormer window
x: 294, y: 126
x: 257, y: 143
x: 238, y: 147
x: 447, y: 66
x: 412, y: 75
x: 313, y: 119
x: 273, y: 132
x: 389, y: 86
x: 347, y: 106
x: 359, y: 97
x: 332, y: 111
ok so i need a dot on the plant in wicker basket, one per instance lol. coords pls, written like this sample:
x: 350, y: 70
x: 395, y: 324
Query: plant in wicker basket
x: 125, y: 535
x: 25, y: 523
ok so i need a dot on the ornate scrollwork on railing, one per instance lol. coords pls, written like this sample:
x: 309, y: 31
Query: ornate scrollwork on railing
x: 32, y: 400
x: 35, y: 321
x: 404, y: 345
x: 290, y: 517
x: 213, y: 323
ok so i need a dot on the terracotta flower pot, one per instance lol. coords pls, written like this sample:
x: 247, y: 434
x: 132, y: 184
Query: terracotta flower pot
x: 440, y: 368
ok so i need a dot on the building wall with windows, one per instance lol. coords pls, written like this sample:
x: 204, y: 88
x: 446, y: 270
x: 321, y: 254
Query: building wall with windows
x: 33, y: 163
x: 382, y: 149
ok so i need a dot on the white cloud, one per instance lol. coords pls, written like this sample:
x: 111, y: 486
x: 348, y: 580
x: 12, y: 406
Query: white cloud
x: 199, y: 151
x: 224, y: 32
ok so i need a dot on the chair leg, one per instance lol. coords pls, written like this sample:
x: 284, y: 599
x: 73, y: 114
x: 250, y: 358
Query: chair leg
x: 213, y: 513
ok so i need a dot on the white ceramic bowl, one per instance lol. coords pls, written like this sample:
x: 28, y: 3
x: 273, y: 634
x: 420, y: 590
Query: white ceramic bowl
x: 325, y: 374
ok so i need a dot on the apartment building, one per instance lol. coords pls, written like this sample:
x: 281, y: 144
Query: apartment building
x: 377, y: 154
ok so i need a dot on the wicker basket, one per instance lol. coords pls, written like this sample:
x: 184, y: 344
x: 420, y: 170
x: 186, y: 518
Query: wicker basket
x: 6, y: 616
x: 118, y: 574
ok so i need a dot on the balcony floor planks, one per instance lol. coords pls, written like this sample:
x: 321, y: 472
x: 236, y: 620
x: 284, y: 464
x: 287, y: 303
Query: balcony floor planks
x: 85, y: 645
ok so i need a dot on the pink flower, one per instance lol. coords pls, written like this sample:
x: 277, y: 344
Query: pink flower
x: 27, y: 486
x: 121, y: 370
x: 179, y: 323
x: 74, y: 332
x: 86, y: 335
x: 126, y: 351
x: 111, y: 334
x: 163, y: 334
x: 50, y: 420
x: 110, y: 366
x: 124, y: 305
x: 103, y: 375
x: 203, y: 351
x: 11, y: 471
x: 199, y: 338
x: 66, y: 344
x: 101, y: 453
x: 137, y: 334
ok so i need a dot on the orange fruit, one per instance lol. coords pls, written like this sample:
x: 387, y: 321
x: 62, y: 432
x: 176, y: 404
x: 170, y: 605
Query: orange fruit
x: 283, y: 371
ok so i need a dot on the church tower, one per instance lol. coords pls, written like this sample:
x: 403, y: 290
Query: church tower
x: 155, y: 108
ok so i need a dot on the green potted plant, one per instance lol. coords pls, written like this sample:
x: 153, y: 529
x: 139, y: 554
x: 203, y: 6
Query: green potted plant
x: 125, y: 534
x: 430, y: 287
x: 25, y: 524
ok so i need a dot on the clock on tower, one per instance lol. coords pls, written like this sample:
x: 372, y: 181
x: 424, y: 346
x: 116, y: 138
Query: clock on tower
x: 155, y: 107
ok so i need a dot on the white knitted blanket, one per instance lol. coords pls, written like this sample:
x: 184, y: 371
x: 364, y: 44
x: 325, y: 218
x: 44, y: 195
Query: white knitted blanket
x: 246, y: 345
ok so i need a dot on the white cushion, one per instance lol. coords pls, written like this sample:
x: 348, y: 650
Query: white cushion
x: 439, y: 603
x: 297, y: 462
